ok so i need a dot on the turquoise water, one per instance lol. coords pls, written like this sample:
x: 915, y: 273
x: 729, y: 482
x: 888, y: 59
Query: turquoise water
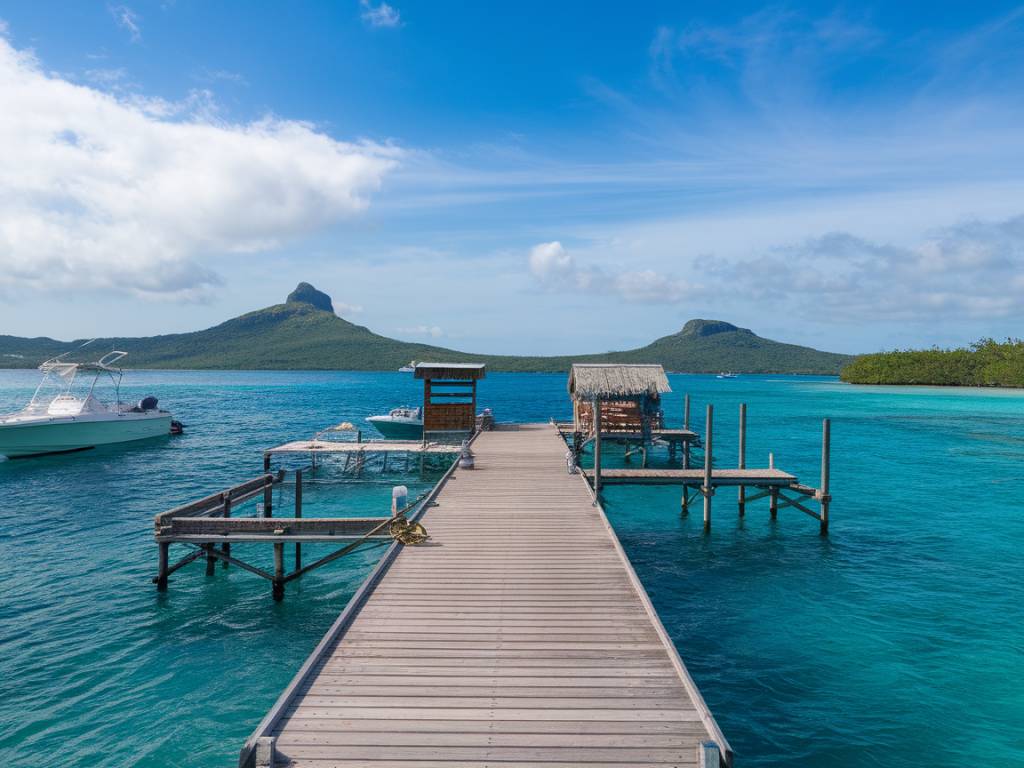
x: 897, y: 641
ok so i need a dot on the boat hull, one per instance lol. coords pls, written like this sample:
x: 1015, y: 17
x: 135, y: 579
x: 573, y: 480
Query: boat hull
x: 397, y: 430
x: 65, y: 435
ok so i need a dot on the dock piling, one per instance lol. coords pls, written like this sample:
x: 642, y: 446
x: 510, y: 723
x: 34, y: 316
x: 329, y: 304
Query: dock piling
x: 686, y: 426
x: 226, y: 546
x: 298, y: 514
x: 742, y: 492
x: 824, y: 498
x: 278, y: 590
x: 707, y: 489
x: 597, y: 449
x: 161, y: 578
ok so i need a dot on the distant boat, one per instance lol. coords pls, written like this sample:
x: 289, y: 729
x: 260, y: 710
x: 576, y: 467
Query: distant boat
x: 408, y: 368
x: 724, y: 375
x: 65, y: 421
x: 400, y: 424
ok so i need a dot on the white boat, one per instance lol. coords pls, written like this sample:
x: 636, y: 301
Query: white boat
x: 400, y: 424
x: 724, y: 375
x: 410, y: 368
x: 59, y: 420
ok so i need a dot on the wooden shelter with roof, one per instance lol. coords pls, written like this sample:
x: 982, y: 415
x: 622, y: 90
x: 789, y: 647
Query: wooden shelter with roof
x: 612, y: 398
x: 629, y: 397
x: 449, y: 395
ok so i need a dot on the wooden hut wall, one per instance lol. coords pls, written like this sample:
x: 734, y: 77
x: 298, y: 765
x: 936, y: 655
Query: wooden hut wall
x: 449, y: 406
x: 616, y: 415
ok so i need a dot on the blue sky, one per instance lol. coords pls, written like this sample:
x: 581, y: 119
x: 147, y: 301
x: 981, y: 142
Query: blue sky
x: 528, y: 177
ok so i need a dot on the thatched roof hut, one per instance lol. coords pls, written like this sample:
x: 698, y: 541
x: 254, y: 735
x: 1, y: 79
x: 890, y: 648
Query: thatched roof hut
x: 607, y: 381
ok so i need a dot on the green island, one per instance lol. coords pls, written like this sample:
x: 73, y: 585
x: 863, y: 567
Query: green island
x: 986, y: 363
x: 304, y: 333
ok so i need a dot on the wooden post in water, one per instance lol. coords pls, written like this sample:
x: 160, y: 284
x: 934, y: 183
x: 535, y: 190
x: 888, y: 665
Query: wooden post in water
x: 298, y: 513
x: 773, y: 492
x: 268, y: 489
x: 161, y: 578
x: 742, y: 492
x: 826, y: 427
x: 597, y: 447
x: 278, y: 590
x: 686, y: 443
x: 707, y: 490
x: 226, y: 546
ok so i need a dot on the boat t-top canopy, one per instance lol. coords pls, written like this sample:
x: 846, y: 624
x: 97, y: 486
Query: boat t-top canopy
x: 65, y: 369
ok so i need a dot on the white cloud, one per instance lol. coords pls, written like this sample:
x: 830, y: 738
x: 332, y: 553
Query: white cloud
x: 341, y: 308
x: 141, y: 195
x: 127, y: 19
x: 382, y: 15
x: 969, y: 270
x: 550, y: 260
x: 556, y: 269
x: 432, y: 331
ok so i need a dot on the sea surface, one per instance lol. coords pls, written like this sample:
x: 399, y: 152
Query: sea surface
x: 896, y: 641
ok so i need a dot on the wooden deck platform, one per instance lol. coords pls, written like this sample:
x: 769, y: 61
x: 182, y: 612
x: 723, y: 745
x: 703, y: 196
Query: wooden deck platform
x: 518, y: 635
x: 376, y: 446
x: 719, y: 477
x: 668, y: 435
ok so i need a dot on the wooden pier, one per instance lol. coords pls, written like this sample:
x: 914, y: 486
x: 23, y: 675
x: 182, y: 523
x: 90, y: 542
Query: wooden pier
x: 518, y: 635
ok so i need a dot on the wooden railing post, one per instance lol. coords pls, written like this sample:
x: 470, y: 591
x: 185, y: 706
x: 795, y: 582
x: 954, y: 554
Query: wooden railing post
x: 825, y: 499
x: 707, y: 488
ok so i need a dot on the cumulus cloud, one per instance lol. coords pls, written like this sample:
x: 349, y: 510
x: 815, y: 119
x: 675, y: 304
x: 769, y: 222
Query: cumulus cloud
x: 141, y: 195
x: 556, y: 269
x: 382, y: 15
x: 970, y: 270
x: 423, y: 330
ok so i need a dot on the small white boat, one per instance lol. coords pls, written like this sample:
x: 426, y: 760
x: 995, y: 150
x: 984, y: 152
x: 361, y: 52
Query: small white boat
x: 410, y: 368
x: 400, y: 424
x: 57, y: 420
x: 724, y: 375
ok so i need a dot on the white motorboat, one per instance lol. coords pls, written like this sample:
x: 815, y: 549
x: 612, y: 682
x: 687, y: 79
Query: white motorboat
x: 410, y: 368
x: 62, y: 417
x: 400, y: 423
x: 729, y: 375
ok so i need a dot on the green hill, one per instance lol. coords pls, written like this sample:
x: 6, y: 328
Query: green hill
x: 304, y: 333
x: 986, y: 363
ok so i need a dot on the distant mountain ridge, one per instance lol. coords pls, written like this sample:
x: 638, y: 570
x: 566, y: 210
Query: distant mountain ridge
x: 305, y: 334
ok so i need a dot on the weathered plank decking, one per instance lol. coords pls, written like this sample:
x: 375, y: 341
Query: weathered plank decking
x: 719, y: 477
x: 517, y: 636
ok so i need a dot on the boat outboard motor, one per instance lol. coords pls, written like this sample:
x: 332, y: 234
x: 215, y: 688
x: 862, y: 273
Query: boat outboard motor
x: 147, y: 403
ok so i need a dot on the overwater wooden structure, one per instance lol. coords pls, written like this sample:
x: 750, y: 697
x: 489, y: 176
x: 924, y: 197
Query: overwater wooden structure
x: 207, y: 529
x: 519, y: 635
x: 782, y: 489
x: 449, y: 396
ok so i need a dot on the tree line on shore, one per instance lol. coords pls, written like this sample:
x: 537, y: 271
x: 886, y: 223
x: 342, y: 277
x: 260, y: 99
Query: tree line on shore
x: 985, y: 363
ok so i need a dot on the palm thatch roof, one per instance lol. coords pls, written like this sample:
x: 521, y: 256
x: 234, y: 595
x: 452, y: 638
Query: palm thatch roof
x: 606, y: 381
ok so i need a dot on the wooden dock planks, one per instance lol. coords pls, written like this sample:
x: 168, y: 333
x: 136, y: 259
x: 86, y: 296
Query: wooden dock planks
x: 719, y: 477
x: 517, y: 636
